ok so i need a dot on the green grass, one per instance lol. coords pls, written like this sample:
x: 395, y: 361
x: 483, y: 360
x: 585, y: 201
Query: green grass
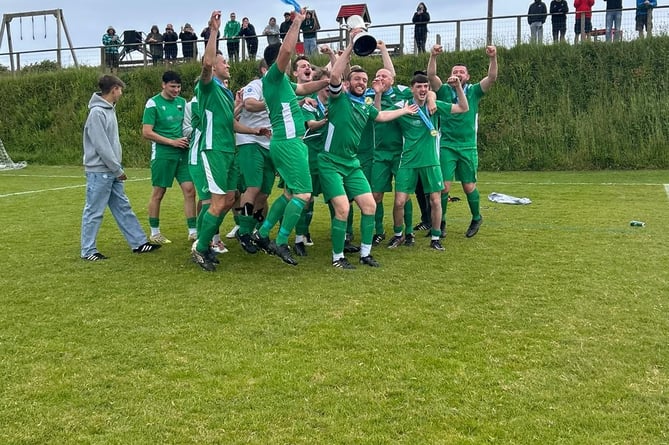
x: 550, y: 326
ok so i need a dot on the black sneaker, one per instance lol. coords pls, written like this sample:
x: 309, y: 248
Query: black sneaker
x: 300, y: 249
x: 246, y: 243
x: 212, y: 256
x: 378, y: 238
x: 262, y: 242
x: 410, y: 240
x: 395, y: 241
x: 342, y: 263
x: 146, y: 247
x: 97, y: 256
x: 369, y: 261
x: 436, y: 245
x: 474, y: 227
x: 421, y: 226
x: 283, y: 252
x: 307, y: 240
x: 350, y: 247
x: 203, y: 260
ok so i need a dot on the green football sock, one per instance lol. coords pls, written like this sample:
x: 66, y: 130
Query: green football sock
x: 473, y: 199
x: 210, y: 225
x: 290, y: 217
x: 444, y: 204
x: 203, y: 210
x: 154, y: 222
x: 408, y: 215
x: 191, y: 222
x: 275, y: 212
x: 366, y: 229
x: 302, y: 227
x: 310, y: 213
x: 378, y: 218
x: 338, y: 235
x: 349, y: 221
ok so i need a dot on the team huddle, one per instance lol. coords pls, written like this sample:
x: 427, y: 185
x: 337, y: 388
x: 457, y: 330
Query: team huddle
x: 328, y: 133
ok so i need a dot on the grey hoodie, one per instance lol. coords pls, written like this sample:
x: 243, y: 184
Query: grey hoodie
x: 102, y: 146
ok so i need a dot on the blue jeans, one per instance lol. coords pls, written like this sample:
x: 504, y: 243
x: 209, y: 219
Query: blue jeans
x: 102, y: 190
x: 310, y: 46
x: 613, y: 21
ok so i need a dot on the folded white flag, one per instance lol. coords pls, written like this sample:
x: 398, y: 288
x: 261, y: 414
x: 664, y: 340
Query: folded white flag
x: 507, y: 199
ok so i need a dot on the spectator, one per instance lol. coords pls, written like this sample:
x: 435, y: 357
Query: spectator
x: 207, y: 31
x: 536, y: 17
x: 170, y: 41
x: 272, y: 32
x: 188, y: 42
x: 309, y: 28
x: 105, y: 175
x: 285, y: 26
x: 248, y: 31
x: 559, y: 10
x: 582, y: 28
x: 420, y: 19
x: 111, y: 42
x: 614, y: 18
x: 231, y: 34
x: 155, y: 41
x: 644, y: 18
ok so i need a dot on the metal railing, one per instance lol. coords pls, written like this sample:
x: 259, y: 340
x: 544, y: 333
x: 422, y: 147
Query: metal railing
x: 453, y: 35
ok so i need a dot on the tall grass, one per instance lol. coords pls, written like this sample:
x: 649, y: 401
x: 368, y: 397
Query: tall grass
x: 589, y: 106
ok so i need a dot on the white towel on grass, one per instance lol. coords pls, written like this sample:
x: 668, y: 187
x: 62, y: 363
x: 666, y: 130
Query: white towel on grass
x: 501, y: 198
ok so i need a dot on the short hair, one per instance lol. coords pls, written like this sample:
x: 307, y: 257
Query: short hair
x: 171, y: 76
x: 271, y: 53
x: 419, y: 78
x: 107, y: 82
x: 262, y: 65
x: 298, y: 59
x: 321, y: 73
x: 355, y: 69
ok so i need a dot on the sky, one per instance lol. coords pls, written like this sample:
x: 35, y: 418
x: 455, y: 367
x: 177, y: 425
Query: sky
x: 87, y: 20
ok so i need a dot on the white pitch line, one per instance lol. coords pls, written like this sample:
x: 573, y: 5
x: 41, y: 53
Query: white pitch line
x: 30, y: 192
x: 625, y: 184
x: 666, y: 189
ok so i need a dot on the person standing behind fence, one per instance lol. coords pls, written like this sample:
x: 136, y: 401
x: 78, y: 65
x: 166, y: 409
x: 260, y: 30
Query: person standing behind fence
x: 559, y: 10
x: 248, y: 31
x: 309, y: 29
x: 105, y: 175
x: 111, y: 42
x: 643, y: 16
x: 206, y: 32
x: 231, y: 33
x: 420, y: 19
x: 285, y: 26
x: 614, y: 17
x: 272, y: 32
x: 155, y: 41
x: 583, y: 9
x: 188, y: 42
x: 170, y: 41
x: 536, y: 17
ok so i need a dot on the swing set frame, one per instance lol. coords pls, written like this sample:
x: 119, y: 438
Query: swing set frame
x: 60, y: 25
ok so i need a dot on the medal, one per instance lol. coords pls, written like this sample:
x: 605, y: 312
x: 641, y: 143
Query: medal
x: 434, y: 133
x: 369, y: 100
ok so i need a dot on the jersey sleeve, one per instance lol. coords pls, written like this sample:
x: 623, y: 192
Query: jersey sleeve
x: 149, y: 116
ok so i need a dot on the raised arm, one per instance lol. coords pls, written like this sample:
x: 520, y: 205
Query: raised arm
x: 209, y: 59
x: 491, y: 78
x: 337, y: 74
x: 463, y: 105
x: 435, y: 81
x: 290, y: 40
x: 385, y: 57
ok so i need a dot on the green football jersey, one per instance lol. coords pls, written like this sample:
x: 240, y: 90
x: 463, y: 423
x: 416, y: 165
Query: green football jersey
x: 348, y: 116
x: 167, y: 118
x: 459, y: 130
x: 314, y: 139
x: 284, y: 110
x: 421, y: 148
x: 388, y: 135
x: 216, y: 111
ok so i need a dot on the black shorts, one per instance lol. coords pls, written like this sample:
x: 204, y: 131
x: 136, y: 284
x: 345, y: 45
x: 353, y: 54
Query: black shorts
x: 588, y: 25
x: 111, y: 60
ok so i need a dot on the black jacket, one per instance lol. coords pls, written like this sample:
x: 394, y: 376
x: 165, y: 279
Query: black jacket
x: 537, y: 12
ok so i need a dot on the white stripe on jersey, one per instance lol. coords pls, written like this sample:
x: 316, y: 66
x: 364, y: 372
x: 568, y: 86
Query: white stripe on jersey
x: 288, y: 121
x: 328, y: 139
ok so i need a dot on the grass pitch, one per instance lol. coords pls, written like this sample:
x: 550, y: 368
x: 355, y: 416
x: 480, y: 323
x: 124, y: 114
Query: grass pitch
x: 549, y: 326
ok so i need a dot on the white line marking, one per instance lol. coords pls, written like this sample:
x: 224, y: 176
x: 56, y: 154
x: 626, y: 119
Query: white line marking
x: 30, y: 192
x: 666, y: 189
x: 625, y: 184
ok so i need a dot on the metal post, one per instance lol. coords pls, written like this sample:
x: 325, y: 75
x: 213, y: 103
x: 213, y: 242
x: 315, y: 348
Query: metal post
x: 489, y: 28
x: 457, y: 35
x: 519, y: 36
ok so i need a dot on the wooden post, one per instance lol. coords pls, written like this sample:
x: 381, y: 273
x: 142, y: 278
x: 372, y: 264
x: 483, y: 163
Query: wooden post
x: 457, y: 35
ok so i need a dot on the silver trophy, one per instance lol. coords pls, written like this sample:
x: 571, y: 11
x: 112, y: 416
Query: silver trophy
x: 363, y: 43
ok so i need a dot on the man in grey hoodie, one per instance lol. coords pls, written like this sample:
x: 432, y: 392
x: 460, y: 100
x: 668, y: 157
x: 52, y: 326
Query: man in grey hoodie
x: 105, y: 175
